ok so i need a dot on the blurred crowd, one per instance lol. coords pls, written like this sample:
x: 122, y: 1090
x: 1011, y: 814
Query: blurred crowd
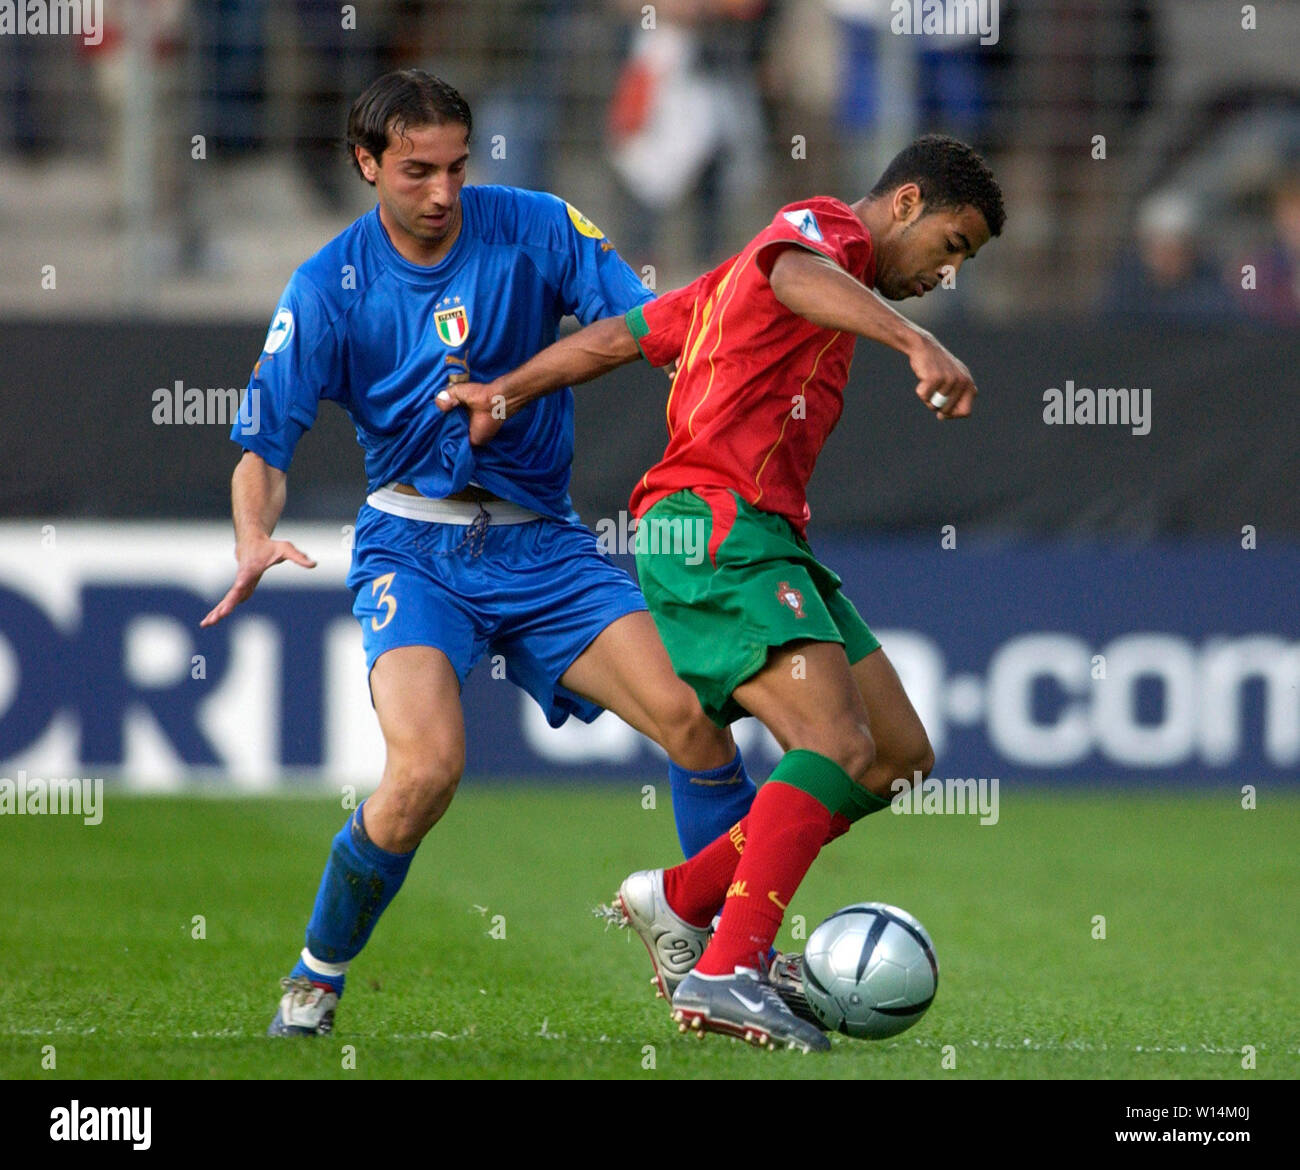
x: 1177, y: 268
x: 700, y: 117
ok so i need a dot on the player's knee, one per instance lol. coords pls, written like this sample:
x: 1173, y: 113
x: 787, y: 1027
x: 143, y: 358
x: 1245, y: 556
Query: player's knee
x: 918, y: 761
x: 420, y: 787
x: 861, y: 754
x: 922, y: 763
x: 906, y: 763
x: 427, y: 769
x: 850, y: 747
x: 690, y: 737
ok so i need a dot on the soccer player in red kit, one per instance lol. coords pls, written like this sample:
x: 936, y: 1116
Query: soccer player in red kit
x: 758, y: 626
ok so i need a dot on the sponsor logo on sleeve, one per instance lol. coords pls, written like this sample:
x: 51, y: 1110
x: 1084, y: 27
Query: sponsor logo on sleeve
x: 280, y: 332
x: 584, y: 226
x: 805, y: 223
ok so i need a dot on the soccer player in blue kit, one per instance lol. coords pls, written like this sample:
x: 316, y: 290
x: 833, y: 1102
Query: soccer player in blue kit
x: 458, y: 550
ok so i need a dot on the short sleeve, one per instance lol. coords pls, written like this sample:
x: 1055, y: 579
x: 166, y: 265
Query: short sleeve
x: 825, y: 226
x: 659, y: 327
x: 297, y: 368
x: 591, y: 278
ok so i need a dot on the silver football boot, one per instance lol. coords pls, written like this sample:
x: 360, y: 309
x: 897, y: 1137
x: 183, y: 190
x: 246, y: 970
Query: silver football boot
x: 675, y: 946
x: 786, y: 974
x: 744, y: 1005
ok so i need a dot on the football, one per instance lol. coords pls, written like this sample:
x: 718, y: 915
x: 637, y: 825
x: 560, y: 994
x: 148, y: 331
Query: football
x: 869, y: 971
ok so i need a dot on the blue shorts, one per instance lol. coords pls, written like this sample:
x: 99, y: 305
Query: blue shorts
x: 536, y: 593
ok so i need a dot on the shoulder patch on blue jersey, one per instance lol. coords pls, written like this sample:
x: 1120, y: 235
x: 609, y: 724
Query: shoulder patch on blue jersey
x: 583, y: 224
x: 805, y: 223
x: 280, y: 332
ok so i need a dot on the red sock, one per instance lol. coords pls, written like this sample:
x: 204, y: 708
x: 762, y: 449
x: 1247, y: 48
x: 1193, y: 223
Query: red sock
x: 695, y: 889
x: 785, y: 831
x: 840, y: 824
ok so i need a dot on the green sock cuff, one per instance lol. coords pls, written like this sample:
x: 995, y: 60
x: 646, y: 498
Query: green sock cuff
x: 817, y: 775
x: 861, y: 803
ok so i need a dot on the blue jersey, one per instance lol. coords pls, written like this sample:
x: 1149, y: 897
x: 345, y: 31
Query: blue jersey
x: 381, y: 336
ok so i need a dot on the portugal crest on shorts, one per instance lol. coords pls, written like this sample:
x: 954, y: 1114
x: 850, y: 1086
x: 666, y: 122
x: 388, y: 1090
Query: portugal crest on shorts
x: 788, y: 595
x: 452, y: 325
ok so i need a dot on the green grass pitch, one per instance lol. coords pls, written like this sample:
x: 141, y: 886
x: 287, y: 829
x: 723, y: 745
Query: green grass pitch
x: 99, y: 959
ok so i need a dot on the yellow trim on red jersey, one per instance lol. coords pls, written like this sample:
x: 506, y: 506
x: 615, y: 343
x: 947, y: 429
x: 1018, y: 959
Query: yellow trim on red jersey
x: 681, y: 365
x: 770, y: 451
x: 789, y: 415
x: 722, y: 309
x: 706, y: 316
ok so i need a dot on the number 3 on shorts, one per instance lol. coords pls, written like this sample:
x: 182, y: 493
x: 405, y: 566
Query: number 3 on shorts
x: 380, y: 585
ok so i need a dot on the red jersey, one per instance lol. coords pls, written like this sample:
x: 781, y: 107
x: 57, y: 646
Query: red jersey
x: 758, y: 388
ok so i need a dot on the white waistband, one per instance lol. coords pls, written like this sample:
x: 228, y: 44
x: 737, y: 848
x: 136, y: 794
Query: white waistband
x: 386, y: 499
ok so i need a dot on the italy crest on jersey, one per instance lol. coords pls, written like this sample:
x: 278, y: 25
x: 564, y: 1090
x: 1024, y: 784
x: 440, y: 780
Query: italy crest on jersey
x: 452, y: 326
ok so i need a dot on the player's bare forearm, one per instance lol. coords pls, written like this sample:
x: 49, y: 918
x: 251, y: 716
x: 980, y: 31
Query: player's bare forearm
x: 257, y: 495
x: 594, y: 350
x: 591, y: 351
x: 820, y: 291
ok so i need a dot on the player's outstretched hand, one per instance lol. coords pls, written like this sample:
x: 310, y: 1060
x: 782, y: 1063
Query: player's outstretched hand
x: 486, y: 406
x: 253, y: 562
x: 944, y: 383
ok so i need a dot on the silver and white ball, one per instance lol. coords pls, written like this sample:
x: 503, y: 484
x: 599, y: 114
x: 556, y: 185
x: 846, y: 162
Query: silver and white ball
x: 869, y: 971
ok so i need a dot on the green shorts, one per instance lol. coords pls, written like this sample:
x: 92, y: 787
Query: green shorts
x: 720, y: 620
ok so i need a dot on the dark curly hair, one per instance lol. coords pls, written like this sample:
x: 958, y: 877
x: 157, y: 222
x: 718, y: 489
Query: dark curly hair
x: 398, y: 100
x: 950, y: 174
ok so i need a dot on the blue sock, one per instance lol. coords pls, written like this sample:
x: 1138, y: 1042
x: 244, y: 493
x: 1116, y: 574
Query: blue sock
x: 360, y: 880
x: 317, y: 976
x: 707, y: 804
